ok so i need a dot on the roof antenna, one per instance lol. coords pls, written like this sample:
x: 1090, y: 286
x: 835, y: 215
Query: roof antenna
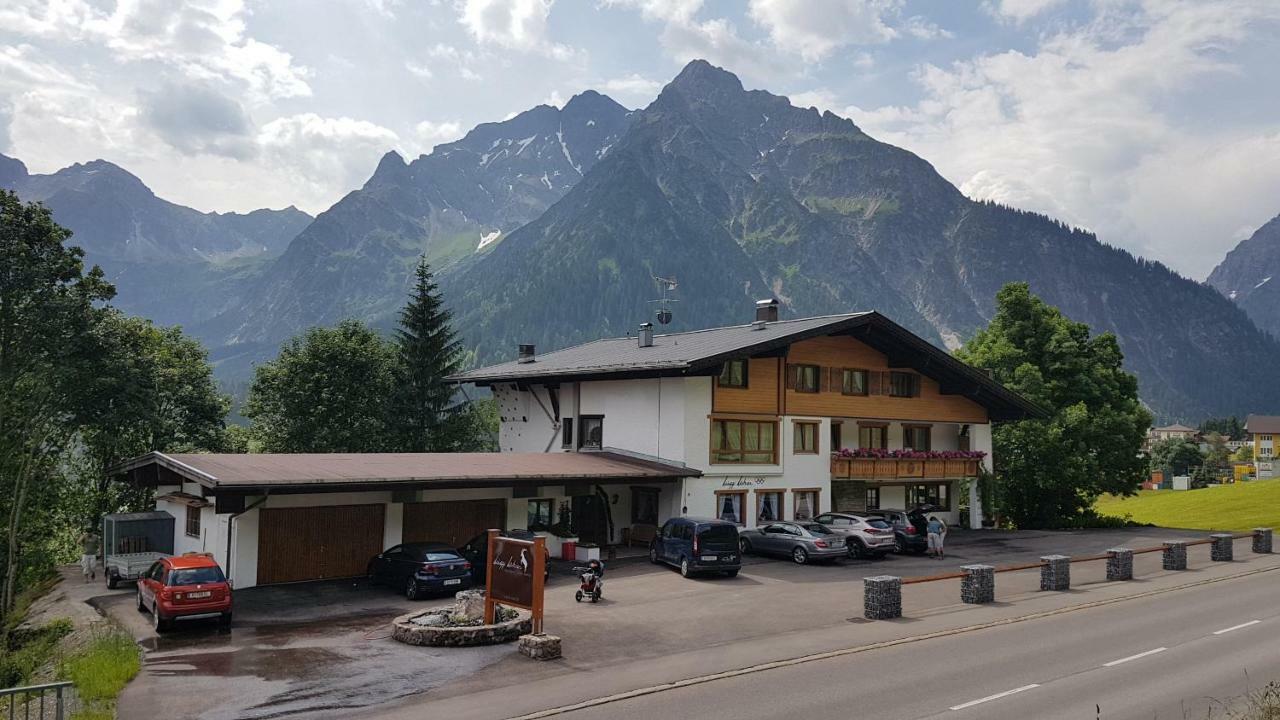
x: 669, y: 285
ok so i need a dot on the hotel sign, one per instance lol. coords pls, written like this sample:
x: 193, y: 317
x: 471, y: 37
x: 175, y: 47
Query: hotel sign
x: 516, y: 576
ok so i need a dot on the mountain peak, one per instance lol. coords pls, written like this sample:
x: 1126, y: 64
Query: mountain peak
x: 589, y: 101
x: 701, y: 75
x: 391, y: 168
x: 12, y: 170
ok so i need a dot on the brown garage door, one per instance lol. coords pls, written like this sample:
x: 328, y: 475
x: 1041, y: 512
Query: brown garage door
x: 314, y: 543
x: 452, y: 522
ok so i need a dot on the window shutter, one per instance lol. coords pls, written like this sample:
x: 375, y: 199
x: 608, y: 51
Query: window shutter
x: 875, y: 379
x: 824, y: 383
x: 793, y: 377
x: 915, y: 386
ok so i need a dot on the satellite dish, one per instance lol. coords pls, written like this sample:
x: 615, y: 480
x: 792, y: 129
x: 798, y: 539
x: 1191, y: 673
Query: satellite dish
x: 664, y: 316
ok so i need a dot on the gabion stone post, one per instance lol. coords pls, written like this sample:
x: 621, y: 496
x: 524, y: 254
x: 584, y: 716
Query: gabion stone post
x: 978, y: 585
x: 882, y: 597
x: 1119, y: 564
x: 1055, y: 572
x: 1262, y: 540
x: 1222, y: 548
x: 1175, y: 555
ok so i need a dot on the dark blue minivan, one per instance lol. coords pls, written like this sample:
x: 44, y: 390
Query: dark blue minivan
x: 698, y: 545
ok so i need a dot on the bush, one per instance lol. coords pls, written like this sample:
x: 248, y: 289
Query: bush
x: 1092, y: 520
x: 103, y: 668
x: 29, y: 649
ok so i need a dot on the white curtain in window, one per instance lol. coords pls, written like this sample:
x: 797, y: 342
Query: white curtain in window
x: 731, y: 508
x: 804, y: 506
x: 769, y: 507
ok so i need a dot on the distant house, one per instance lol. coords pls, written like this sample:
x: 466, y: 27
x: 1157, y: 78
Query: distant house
x: 1263, y: 431
x: 1182, y: 432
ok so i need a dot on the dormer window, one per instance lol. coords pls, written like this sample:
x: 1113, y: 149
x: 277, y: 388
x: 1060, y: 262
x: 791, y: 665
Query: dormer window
x: 591, y: 432
x: 904, y: 384
x: 734, y: 374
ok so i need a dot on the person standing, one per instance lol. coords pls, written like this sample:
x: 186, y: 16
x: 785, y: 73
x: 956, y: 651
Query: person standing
x: 89, y: 546
x: 937, y: 533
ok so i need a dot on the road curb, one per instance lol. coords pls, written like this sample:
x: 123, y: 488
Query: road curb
x: 803, y: 659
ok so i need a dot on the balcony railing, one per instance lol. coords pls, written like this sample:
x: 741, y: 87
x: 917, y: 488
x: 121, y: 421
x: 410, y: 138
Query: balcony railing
x: 876, y: 469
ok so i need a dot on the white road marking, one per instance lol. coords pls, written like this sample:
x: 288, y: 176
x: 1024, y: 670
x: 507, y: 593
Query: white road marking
x: 1134, y: 657
x: 1236, y: 627
x: 997, y: 696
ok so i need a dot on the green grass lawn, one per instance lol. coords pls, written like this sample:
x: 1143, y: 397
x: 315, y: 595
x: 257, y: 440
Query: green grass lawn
x: 1235, y: 508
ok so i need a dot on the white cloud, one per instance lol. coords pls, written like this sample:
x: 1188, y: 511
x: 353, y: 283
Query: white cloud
x: 1088, y: 128
x: 514, y: 24
x: 428, y: 134
x: 195, y: 118
x: 1020, y: 10
x: 204, y: 40
x: 320, y: 154
x: 633, y: 90
x: 814, y: 30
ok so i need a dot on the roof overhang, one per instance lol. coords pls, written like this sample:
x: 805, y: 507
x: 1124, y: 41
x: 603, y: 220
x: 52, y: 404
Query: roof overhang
x: 256, y: 474
x: 903, y: 348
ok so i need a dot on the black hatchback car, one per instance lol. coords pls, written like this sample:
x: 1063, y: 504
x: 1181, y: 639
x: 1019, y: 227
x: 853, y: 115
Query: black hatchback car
x: 910, y: 528
x: 477, y: 552
x: 419, y: 569
x: 698, y: 545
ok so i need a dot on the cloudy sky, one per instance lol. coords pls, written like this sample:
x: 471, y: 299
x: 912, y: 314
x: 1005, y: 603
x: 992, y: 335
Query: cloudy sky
x: 1155, y: 124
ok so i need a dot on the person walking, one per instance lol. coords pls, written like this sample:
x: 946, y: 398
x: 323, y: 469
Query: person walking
x: 89, y: 546
x: 937, y: 533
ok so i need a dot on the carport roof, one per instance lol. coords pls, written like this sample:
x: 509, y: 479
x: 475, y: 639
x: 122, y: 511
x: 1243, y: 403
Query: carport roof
x: 322, y: 472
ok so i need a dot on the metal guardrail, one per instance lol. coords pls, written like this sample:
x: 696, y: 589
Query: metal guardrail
x: 51, y: 701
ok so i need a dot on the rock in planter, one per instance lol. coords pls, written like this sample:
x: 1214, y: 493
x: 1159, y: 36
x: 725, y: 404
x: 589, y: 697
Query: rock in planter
x: 471, y: 604
x: 410, y: 629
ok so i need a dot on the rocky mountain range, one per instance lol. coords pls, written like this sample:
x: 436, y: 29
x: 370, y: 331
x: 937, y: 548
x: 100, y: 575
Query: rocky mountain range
x: 551, y: 226
x: 1250, y: 275
x: 170, y: 263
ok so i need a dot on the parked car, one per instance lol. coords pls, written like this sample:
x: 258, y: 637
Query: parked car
x: 697, y: 545
x: 801, y: 541
x: 184, y: 587
x: 864, y: 536
x: 477, y: 551
x: 421, y: 568
x: 910, y: 528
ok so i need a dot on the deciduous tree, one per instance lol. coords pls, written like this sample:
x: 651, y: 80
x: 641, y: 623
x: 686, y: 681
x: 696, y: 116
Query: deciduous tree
x: 1049, y: 471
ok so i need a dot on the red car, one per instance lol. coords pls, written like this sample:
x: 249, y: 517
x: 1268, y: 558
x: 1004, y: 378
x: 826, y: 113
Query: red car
x: 184, y: 587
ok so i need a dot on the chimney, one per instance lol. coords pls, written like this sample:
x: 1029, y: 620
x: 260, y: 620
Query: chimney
x: 646, y: 335
x: 526, y: 353
x: 767, y: 310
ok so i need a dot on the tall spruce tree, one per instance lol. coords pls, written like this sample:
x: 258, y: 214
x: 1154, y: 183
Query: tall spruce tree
x: 426, y: 416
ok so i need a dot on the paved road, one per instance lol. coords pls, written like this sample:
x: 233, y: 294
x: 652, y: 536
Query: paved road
x: 1167, y: 656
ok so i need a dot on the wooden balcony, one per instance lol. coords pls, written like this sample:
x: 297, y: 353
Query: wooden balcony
x: 872, y: 469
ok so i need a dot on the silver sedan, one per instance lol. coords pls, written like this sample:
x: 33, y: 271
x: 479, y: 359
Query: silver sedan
x: 800, y: 541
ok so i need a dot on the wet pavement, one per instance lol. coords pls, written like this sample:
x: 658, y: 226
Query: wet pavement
x: 320, y: 650
x: 313, y: 650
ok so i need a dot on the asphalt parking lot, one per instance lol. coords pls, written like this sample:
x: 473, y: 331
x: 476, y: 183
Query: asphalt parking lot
x: 323, y: 649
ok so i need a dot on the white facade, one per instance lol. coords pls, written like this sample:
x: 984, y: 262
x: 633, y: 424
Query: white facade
x: 669, y: 418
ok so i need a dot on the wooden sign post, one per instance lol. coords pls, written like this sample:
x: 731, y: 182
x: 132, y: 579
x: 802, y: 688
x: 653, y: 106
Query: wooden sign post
x: 516, y: 576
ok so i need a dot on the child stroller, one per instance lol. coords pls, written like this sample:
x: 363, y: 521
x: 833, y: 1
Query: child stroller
x: 592, y: 577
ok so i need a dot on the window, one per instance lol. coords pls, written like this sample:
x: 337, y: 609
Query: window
x: 743, y: 441
x: 539, y: 514
x: 729, y: 507
x: 193, y: 521
x: 936, y: 494
x: 768, y: 506
x: 644, y: 506
x: 873, y: 498
x: 591, y: 431
x: 805, y: 504
x: 837, y: 440
x: 566, y: 433
x: 904, y: 384
x: 806, y: 438
x: 854, y: 383
x: 873, y: 436
x: 804, y: 378
x: 915, y: 437
x: 734, y: 374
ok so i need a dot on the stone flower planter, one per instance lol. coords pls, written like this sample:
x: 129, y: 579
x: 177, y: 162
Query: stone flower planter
x: 407, y: 631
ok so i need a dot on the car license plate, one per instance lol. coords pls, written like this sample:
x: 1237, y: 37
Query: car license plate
x: 710, y: 558
x: 198, y: 595
x: 837, y: 543
x: 455, y: 581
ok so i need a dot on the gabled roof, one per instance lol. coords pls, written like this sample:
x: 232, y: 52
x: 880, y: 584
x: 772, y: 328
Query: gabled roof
x: 702, y: 352
x: 325, y: 472
x: 1267, y: 424
x: 1175, y: 428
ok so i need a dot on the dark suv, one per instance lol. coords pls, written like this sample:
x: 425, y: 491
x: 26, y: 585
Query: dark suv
x: 910, y: 528
x: 698, y: 545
